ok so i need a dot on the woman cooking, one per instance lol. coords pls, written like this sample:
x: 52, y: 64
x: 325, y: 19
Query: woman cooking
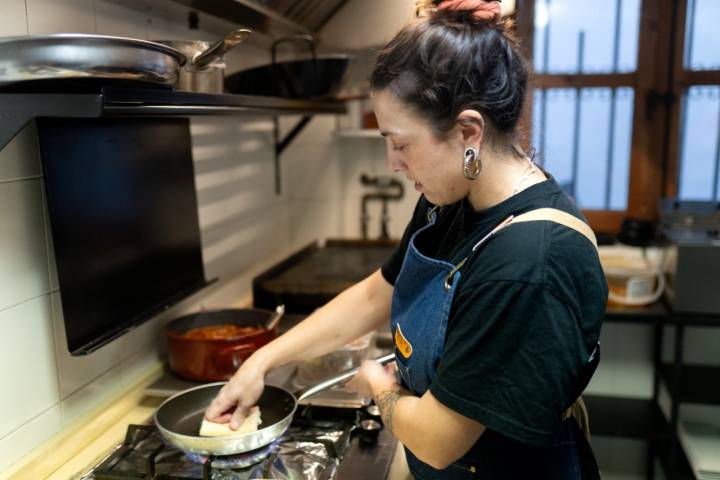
x: 495, y: 294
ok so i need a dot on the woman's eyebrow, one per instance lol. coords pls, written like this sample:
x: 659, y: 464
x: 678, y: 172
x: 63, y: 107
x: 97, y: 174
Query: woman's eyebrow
x: 388, y: 133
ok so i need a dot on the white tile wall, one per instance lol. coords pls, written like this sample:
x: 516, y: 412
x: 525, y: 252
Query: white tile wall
x: 23, y: 440
x: 19, y: 159
x: 359, y: 156
x: 13, y: 20
x: 311, y: 173
x: 76, y: 372
x: 28, y: 371
x: 91, y: 396
x: 112, y: 18
x: 24, y: 272
x: 314, y: 220
x: 66, y: 16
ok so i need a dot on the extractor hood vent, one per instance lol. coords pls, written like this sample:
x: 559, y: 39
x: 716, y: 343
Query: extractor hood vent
x: 276, y: 18
x: 311, y: 14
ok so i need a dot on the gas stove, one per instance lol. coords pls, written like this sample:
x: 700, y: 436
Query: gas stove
x: 322, y: 443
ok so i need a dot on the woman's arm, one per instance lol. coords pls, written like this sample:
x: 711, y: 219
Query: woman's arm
x: 356, y: 311
x: 434, y: 433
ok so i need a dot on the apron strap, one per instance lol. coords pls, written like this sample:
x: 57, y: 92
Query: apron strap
x: 578, y: 410
x: 558, y: 216
x: 539, y: 214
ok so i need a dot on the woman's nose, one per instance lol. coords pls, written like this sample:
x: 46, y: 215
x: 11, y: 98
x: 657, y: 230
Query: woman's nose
x: 394, y: 163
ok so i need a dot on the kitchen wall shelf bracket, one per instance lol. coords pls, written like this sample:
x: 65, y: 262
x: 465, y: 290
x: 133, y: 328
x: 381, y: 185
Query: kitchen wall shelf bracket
x: 281, y: 145
x: 17, y: 109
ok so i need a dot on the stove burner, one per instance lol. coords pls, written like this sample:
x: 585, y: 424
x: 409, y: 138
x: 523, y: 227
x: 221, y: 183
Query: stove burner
x: 321, y: 444
x: 232, y: 462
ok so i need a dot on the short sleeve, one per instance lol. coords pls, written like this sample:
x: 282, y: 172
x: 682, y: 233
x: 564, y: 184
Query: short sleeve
x: 513, y: 353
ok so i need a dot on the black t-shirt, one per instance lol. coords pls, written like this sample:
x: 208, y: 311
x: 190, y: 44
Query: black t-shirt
x: 526, y: 314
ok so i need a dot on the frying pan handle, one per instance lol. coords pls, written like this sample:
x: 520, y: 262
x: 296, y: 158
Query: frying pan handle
x: 220, y: 48
x: 341, y: 378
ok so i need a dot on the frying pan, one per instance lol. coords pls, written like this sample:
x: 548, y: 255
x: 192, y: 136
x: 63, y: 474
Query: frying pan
x: 180, y: 416
x: 73, y: 56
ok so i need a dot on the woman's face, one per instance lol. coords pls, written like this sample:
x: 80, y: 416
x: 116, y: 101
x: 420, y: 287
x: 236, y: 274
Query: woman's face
x: 434, y: 165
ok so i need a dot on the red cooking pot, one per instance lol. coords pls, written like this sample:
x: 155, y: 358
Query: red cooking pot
x: 202, y: 350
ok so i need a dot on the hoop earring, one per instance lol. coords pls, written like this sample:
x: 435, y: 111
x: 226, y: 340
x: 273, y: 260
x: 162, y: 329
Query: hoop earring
x: 471, y: 163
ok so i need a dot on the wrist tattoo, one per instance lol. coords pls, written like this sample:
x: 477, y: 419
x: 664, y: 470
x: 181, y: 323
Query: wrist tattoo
x: 386, y: 403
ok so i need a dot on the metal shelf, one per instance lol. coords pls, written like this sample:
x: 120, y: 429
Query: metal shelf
x: 649, y: 314
x: 695, y: 383
x: 18, y: 109
x: 624, y: 417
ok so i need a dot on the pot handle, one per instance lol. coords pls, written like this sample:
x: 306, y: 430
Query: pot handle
x: 309, y: 39
x: 220, y: 48
x: 275, y: 318
x: 221, y: 357
x: 337, y: 380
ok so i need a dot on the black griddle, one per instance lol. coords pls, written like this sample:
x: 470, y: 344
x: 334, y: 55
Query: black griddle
x: 314, y: 275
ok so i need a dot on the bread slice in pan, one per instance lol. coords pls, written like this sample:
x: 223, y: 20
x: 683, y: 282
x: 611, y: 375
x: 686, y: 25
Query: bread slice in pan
x: 250, y: 424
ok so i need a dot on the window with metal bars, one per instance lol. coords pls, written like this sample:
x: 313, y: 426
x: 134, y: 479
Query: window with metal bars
x: 699, y: 163
x: 583, y: 134
x: 626, y: 105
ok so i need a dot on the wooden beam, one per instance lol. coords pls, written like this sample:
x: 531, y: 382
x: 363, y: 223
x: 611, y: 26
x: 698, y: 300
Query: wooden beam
x: 525, y: 24
x: 605, y: 221
x: 585, y: 80
x: 649, y: 126
x: 687, y: 78
x: 679, y: 76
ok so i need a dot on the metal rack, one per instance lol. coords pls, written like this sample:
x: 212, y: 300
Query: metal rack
x: 18, y: 109
x: 643, y: 418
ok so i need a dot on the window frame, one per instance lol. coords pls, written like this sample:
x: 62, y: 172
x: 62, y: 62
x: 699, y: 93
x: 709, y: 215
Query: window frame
x: 659, y: 83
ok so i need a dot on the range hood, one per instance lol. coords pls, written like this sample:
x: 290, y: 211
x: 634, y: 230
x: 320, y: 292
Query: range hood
x: 273, y: 17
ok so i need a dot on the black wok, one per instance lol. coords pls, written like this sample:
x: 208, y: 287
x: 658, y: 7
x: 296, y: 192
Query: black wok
x: 180, y: 416
x: 319, y: 77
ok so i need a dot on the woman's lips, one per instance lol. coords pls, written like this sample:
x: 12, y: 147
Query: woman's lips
x: 418, y: 186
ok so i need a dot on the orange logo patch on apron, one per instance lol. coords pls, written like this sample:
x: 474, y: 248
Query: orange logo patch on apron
x: 401, y: 343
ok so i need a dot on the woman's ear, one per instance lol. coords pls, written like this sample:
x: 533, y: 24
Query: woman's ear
x: 472, y: 127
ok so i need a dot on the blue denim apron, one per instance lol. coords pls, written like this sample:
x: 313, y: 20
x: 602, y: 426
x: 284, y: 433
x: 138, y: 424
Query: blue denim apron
x: 421, y: 303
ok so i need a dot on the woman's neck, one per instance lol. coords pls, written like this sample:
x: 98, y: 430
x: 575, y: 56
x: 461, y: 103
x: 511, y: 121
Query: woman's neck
x: 502, y: 176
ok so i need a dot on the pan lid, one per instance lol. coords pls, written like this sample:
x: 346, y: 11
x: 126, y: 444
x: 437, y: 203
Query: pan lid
x: 93, y: 40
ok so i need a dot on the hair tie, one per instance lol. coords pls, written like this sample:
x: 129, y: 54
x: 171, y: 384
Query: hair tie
x: 482, y: 10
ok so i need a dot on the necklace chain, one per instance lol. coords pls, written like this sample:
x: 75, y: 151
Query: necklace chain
x: 529, y: 171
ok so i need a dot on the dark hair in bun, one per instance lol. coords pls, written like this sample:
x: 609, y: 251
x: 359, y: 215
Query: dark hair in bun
x: 449, y: 62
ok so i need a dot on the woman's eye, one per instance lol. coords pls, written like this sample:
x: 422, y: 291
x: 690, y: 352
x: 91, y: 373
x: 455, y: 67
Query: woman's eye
x: 398, y: 148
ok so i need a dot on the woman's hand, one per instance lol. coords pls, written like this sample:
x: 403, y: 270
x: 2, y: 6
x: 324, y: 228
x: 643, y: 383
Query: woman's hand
x: 373, y: 378
x: 241, y: 393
